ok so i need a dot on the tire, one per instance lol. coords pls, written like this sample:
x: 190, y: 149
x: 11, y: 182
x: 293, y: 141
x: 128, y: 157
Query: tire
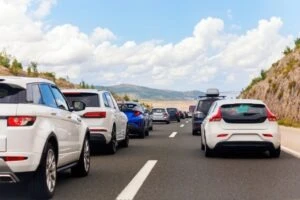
x: 111, y: 147
x: 275, y: 153
x: 178, y: 120
x: 151, y: 128
x: 202, y: 145
x: 43, y: 183
x: 142, y: 134
x: 195, y: 132
x: 125, y: 143
x: 82, y: 168
x: 147, y: 132
x: 208, y: 152
x: 167, y: 122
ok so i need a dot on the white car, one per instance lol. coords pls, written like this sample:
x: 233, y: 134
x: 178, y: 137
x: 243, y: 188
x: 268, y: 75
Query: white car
x: 160, y: 115
x: 40, y: 134
x: 240, y: 124
x: 107, y: 124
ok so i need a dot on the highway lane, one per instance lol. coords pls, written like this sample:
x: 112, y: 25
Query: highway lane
x: 181, y: 172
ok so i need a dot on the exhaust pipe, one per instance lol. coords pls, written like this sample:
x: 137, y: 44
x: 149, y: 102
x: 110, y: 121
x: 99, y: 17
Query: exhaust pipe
x: 8, y: 178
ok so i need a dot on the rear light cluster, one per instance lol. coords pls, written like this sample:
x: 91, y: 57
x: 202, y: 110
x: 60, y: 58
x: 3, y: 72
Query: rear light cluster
x: 20, y: 121
x: 271, y: 117
x: 136, y: 113
x: 217, y: 117
x: 14, y: 158
x: 94, y: 115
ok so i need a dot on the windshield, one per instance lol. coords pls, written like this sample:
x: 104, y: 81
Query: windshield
x: 12, y: 94
x: 90, y: 99
x: 204, y: 105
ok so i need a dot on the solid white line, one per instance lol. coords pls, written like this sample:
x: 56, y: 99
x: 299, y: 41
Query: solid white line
x: 182, y: 125
x: 173, y: 135
x: 135, y: 184
x: 290, y: 151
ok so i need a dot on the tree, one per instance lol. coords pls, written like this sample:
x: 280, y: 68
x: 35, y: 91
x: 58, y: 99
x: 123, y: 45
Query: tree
x: 297, y: 43
x: 29, y: 71
x: 15, y: 67
x: 4, y: 59
x: 34, y: 68
x: 126, y: 97
x: 287, y: 51
x: 263, y: 74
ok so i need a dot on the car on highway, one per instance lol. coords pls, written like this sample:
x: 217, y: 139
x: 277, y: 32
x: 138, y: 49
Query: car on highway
x: 139, y: 120
x: 181, y: 114
x: 173, y: 114
x: 107, y: 124
x: 160, y: 115
x: 40, y: 135
x: 240, y: 124
x: 202, y: 107
x: 186, y: 115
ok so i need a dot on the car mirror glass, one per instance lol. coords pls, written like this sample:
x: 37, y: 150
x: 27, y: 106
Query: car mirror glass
x: 78, y: 105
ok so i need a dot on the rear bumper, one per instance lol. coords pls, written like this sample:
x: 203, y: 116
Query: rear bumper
x: 6, y: 174
x: 245, y: 146
x: 134, y: 129
x: 197, y: 125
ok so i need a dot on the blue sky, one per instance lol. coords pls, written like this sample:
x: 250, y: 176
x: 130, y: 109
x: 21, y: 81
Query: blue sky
x: 179, y: 45
x: 170, y: 21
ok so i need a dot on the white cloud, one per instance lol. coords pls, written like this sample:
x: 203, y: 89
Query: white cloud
x: 198, y: 59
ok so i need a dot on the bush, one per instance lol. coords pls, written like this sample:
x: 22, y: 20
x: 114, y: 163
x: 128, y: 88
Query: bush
x: 4, y: 60
x: 16, y: 67
x: 292, y: 85
x: 289, y: 122
x: 280, y: 95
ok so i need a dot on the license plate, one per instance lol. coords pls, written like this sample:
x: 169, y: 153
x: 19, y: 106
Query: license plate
x: 245, y: 137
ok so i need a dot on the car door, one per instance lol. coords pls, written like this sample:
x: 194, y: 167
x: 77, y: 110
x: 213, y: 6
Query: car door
x: 69, y: 124
x: 121, y: 118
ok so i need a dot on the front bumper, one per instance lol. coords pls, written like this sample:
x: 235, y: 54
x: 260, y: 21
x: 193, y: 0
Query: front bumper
x: 6, y: 174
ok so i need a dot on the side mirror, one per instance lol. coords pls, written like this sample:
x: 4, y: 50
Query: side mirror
x: 78, y: 105
x: 199, y: 115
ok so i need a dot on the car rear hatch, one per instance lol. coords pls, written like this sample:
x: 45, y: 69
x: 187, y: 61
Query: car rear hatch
x: 10, y: 97
x: 159, y: 113
x: 244, y: 117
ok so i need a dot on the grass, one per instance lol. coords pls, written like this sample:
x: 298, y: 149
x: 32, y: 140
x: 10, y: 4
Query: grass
x: 289, y: 123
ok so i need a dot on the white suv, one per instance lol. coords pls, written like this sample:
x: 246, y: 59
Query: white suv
x: 107, y: 124
x: 240, y: 124
x: 39, y: 133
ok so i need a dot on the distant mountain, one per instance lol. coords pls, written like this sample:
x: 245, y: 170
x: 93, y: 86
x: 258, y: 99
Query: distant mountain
x: 139, y: 92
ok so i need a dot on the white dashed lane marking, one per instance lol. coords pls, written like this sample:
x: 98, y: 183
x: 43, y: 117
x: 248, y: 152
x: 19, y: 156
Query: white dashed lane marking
x: 173, y: 135
x: 182, y: 125
x: 136, y: 183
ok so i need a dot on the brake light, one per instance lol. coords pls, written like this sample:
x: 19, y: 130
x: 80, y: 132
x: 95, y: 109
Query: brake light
x: 271, y: 117
x: 217, y: 117
x: 14, y: 158
x: 20, y: 120
x: 94, y: 115
x: 267, y: 135
x: 222, y: 135
x: 137, y: 113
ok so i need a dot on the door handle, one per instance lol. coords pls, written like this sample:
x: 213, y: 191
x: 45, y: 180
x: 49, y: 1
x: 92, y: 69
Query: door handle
x: 53, y: 114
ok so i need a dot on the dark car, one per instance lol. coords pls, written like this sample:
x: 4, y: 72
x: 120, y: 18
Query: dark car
x: 139, y: 120
x: 174, y: 114
x: 181, y: 114
x: 202, y: 108
x: 186, y: 114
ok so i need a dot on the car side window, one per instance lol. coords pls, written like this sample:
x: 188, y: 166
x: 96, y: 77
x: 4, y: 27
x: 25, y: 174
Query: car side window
x: 59, y: 98
x: 33, y: 94
x: 105, y: 101
x: 109, y: 100
x: 47, y: 96
x: 212, y: 108
x: 114, y: 102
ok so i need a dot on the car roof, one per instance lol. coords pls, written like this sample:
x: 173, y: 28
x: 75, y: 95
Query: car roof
x: 95, y: 91
x: 23, y: 81
x: 237, y: 101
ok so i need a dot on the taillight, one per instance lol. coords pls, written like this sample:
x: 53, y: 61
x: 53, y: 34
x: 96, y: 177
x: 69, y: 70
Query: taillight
x: 267, y: 135
x: 14, y: 158
x: 271, y: 117
x: 217, y: 117
x: 94, y: 115
x: 165, y: 115
x: 137, y: 113
x: 222, y: 135
x: 20, y: 120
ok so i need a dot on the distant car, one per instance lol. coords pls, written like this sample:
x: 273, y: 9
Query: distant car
x: 40, y: 135
x: 181, y: 114
x: 191, y: 110
x: 240, y: 124
x: 107, y: 124
x: 173, y: 114
x: 138, y: 120
x: 186, y: 115
x: 202, y: 108
x: 160, y: 115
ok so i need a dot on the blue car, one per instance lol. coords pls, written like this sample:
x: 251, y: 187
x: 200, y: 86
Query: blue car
x: 139, y: 120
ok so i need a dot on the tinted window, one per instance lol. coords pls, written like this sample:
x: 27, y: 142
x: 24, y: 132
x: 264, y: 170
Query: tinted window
x: 158, y: 110
x: 109, y: 100
x: 130, y: 106
x: 204, y: 105
x: 171, y: 110
x: 105, y: 101
x: 12, y: 94
x: 192, y: 108
x: 48, y: 98
x: 90, y: 99
x: 59, y: 98
x: 244, y: 113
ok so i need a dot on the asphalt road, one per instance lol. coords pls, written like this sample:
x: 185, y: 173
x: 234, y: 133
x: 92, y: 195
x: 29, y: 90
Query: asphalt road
x: 181, y: 172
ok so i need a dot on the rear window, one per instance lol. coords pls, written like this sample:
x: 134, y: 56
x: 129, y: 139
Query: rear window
x: 158, y: 110
x: 171, y: 110
x: 204, y: 105
x: 128, y: 106
x: 192, y: 108
x: 12, y: 94
x: 90, y: 99
x: 244, y: 113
